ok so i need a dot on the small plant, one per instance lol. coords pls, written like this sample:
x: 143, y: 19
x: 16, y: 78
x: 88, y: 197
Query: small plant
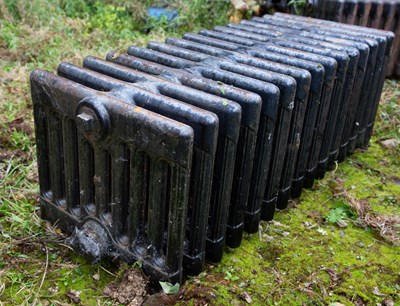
x: 340, y: 214
x: 230, y: 276
x: 298, y: 5
x: 168, y: 288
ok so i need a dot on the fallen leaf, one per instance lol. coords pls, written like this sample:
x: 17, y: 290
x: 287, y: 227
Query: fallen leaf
x: 342, y: 223
x: 168, y: 288
x: 74, y: 296
x: 377, y: 292
x: 322, y: 231
x: 273, y: 222
x: 308, y: 291
x: 388, y: 302
x: 332, y: 273
x: 247, y: 297
x: 390, y: 143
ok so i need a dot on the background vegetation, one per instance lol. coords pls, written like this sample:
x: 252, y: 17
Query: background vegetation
x: 339, y: 243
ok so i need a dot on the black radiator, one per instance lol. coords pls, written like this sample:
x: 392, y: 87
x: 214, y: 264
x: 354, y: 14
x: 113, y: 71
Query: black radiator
x: 168, y: 153
x: 378, y: 14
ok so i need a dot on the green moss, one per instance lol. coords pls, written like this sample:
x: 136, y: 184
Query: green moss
x: 300, y: 258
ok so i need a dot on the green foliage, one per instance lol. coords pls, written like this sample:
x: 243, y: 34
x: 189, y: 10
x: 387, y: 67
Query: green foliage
x: 78, y: 8
x: 117, y: 19
x: 137, y: 264
x: 161, y: 23
x: 168, y: 288
x: 12, y: 8
x: 206, y: 13
x: 7, y: 34
x: 33, y: 12
x: 298, y: 5
x: 230, y: 275
x: 340, y: 213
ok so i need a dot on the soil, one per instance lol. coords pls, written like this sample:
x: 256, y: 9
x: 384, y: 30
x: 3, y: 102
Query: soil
x: 19, y: 125
x: 131, y: 290
x: 7, y: 55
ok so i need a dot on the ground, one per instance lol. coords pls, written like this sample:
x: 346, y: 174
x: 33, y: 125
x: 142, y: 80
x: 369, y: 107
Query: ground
x: 338, y: 243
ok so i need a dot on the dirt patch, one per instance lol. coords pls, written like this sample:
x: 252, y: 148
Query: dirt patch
x: 196, y: 294
x: 7, y: 55
x: 19, y: 125
x: 5, y: 156
x: 132, y: 290
x: 11, y: 143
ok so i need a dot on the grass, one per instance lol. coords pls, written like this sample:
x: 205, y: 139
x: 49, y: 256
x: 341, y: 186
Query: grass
x: 339, y: 243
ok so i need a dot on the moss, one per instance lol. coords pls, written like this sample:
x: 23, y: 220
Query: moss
x: 302, y: 259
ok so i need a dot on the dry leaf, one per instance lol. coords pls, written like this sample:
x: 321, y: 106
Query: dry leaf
x: 388, y: 302
x: 377, y: 292
x: 390, y: 143
x: 246, y: 297
x: 240, y: 5
x: 74, y: 296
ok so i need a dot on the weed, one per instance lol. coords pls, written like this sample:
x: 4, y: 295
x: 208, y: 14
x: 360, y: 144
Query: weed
x: 340, y: 214
x: 230, y: 275
x: 169, y: 288
x: 298, y: 5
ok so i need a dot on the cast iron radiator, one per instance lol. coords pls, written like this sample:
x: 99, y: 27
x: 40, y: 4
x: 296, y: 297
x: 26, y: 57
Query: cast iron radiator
x: 378, y: 14
x: 168, y: 153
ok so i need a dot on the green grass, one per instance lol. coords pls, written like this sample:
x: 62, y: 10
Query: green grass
x: 313, y: 254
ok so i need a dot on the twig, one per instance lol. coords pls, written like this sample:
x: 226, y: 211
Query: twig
x: 336, y: 167
x: 44, y: 275
x: 331, y: 197
x: 2, y: 288
x: 105, y: 270
x: 66, y: 246
x: 8, y: 169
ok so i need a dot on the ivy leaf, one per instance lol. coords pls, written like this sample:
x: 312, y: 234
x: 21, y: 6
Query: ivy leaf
x: 168, y: 288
